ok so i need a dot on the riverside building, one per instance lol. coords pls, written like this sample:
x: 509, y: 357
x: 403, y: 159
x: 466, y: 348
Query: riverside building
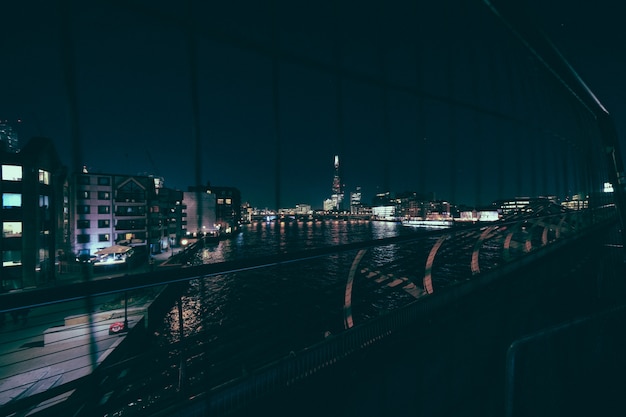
x: 35, y: 226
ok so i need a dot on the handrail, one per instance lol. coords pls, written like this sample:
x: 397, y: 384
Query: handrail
x: 292, y: 369
x: 231, y: 396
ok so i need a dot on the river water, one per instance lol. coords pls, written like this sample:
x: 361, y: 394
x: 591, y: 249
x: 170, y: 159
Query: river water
x: 237, y: 322
x: 245, y: 319
x: 223, y: 327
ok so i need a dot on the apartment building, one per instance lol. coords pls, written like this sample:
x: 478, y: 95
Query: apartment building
x: 34, y: 216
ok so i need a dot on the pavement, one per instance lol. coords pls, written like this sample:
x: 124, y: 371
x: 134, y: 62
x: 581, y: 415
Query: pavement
x: 47, y: 346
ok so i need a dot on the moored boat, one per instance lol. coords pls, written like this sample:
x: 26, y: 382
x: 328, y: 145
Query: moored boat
x: 428, y: 223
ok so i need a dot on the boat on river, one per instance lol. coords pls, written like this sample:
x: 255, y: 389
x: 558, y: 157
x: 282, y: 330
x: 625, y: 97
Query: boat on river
x: 429, y: 223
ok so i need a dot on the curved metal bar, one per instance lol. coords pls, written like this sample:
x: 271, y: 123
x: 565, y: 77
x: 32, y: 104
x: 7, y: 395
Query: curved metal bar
x: 475, y: 267
x: 528, y: 244
x: 507, y: 243
x: 506, y: 249
x: 428, y: 281
x: 347, y: 303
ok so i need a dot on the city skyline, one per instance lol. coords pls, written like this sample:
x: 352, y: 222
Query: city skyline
x: 116, y: 79
x: 339, y: 204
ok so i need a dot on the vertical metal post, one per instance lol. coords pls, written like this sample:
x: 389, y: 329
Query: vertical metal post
x: 616, y: 170
x: 276, y: 104
x: 125, y: 311
x: 181, y: 368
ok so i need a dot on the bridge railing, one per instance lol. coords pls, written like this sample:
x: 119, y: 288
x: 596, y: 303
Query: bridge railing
x: 303, y: 364
x: 95, y: 352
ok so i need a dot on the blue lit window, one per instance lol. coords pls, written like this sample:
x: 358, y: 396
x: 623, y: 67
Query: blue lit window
x: 11, y: 200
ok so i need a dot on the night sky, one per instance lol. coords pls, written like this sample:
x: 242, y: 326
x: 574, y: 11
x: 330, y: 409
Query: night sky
x: 400, y: 112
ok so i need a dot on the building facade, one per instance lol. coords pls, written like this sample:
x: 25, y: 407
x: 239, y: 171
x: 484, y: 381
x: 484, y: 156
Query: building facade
x: 356, y: 206
x: 166, y: 219
x: 34, y: 214
x: 227, y: 208
x: 128, y: 210
x: 199, y: 216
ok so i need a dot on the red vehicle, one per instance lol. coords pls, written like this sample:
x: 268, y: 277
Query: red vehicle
x: 117, y: 327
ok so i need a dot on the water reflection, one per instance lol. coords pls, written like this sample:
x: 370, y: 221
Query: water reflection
x: 210, y: 303
x: 262, y: 315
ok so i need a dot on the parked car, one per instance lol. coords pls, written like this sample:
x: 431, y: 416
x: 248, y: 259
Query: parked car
x: 117, y: 327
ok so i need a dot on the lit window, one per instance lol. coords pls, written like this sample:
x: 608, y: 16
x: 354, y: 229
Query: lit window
x: 11, y: 173
x: 220, y: 201
x: 11, y: 200
x: 104, y: 209
x: 229, y: 201
x: 104, y: 195
x: 44, y: 177
x: 12, y: 229
x: 104, y: 238
x: 104, y: 223
x: 83, y: 195
x: 44, y: 201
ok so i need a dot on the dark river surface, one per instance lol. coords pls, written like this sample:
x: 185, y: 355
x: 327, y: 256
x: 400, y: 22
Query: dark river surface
x: 244, y: 320
x: 234, y: 323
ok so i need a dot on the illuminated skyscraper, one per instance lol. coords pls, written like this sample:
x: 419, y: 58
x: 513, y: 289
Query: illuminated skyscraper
x: 337, y: 195
x: 355, y: 201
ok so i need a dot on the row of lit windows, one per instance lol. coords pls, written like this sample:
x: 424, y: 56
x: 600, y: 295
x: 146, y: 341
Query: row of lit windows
x: 11, y: 229
x: 14, y: 173
x: 14, y: 200
x: 120, y: 210
x: 224, y: 201
x: 105, y: 237
x: 86, y: 195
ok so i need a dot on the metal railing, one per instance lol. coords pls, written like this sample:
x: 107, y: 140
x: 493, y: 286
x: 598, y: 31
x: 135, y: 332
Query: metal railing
x: 546, y: 234
x: 299, y: 366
